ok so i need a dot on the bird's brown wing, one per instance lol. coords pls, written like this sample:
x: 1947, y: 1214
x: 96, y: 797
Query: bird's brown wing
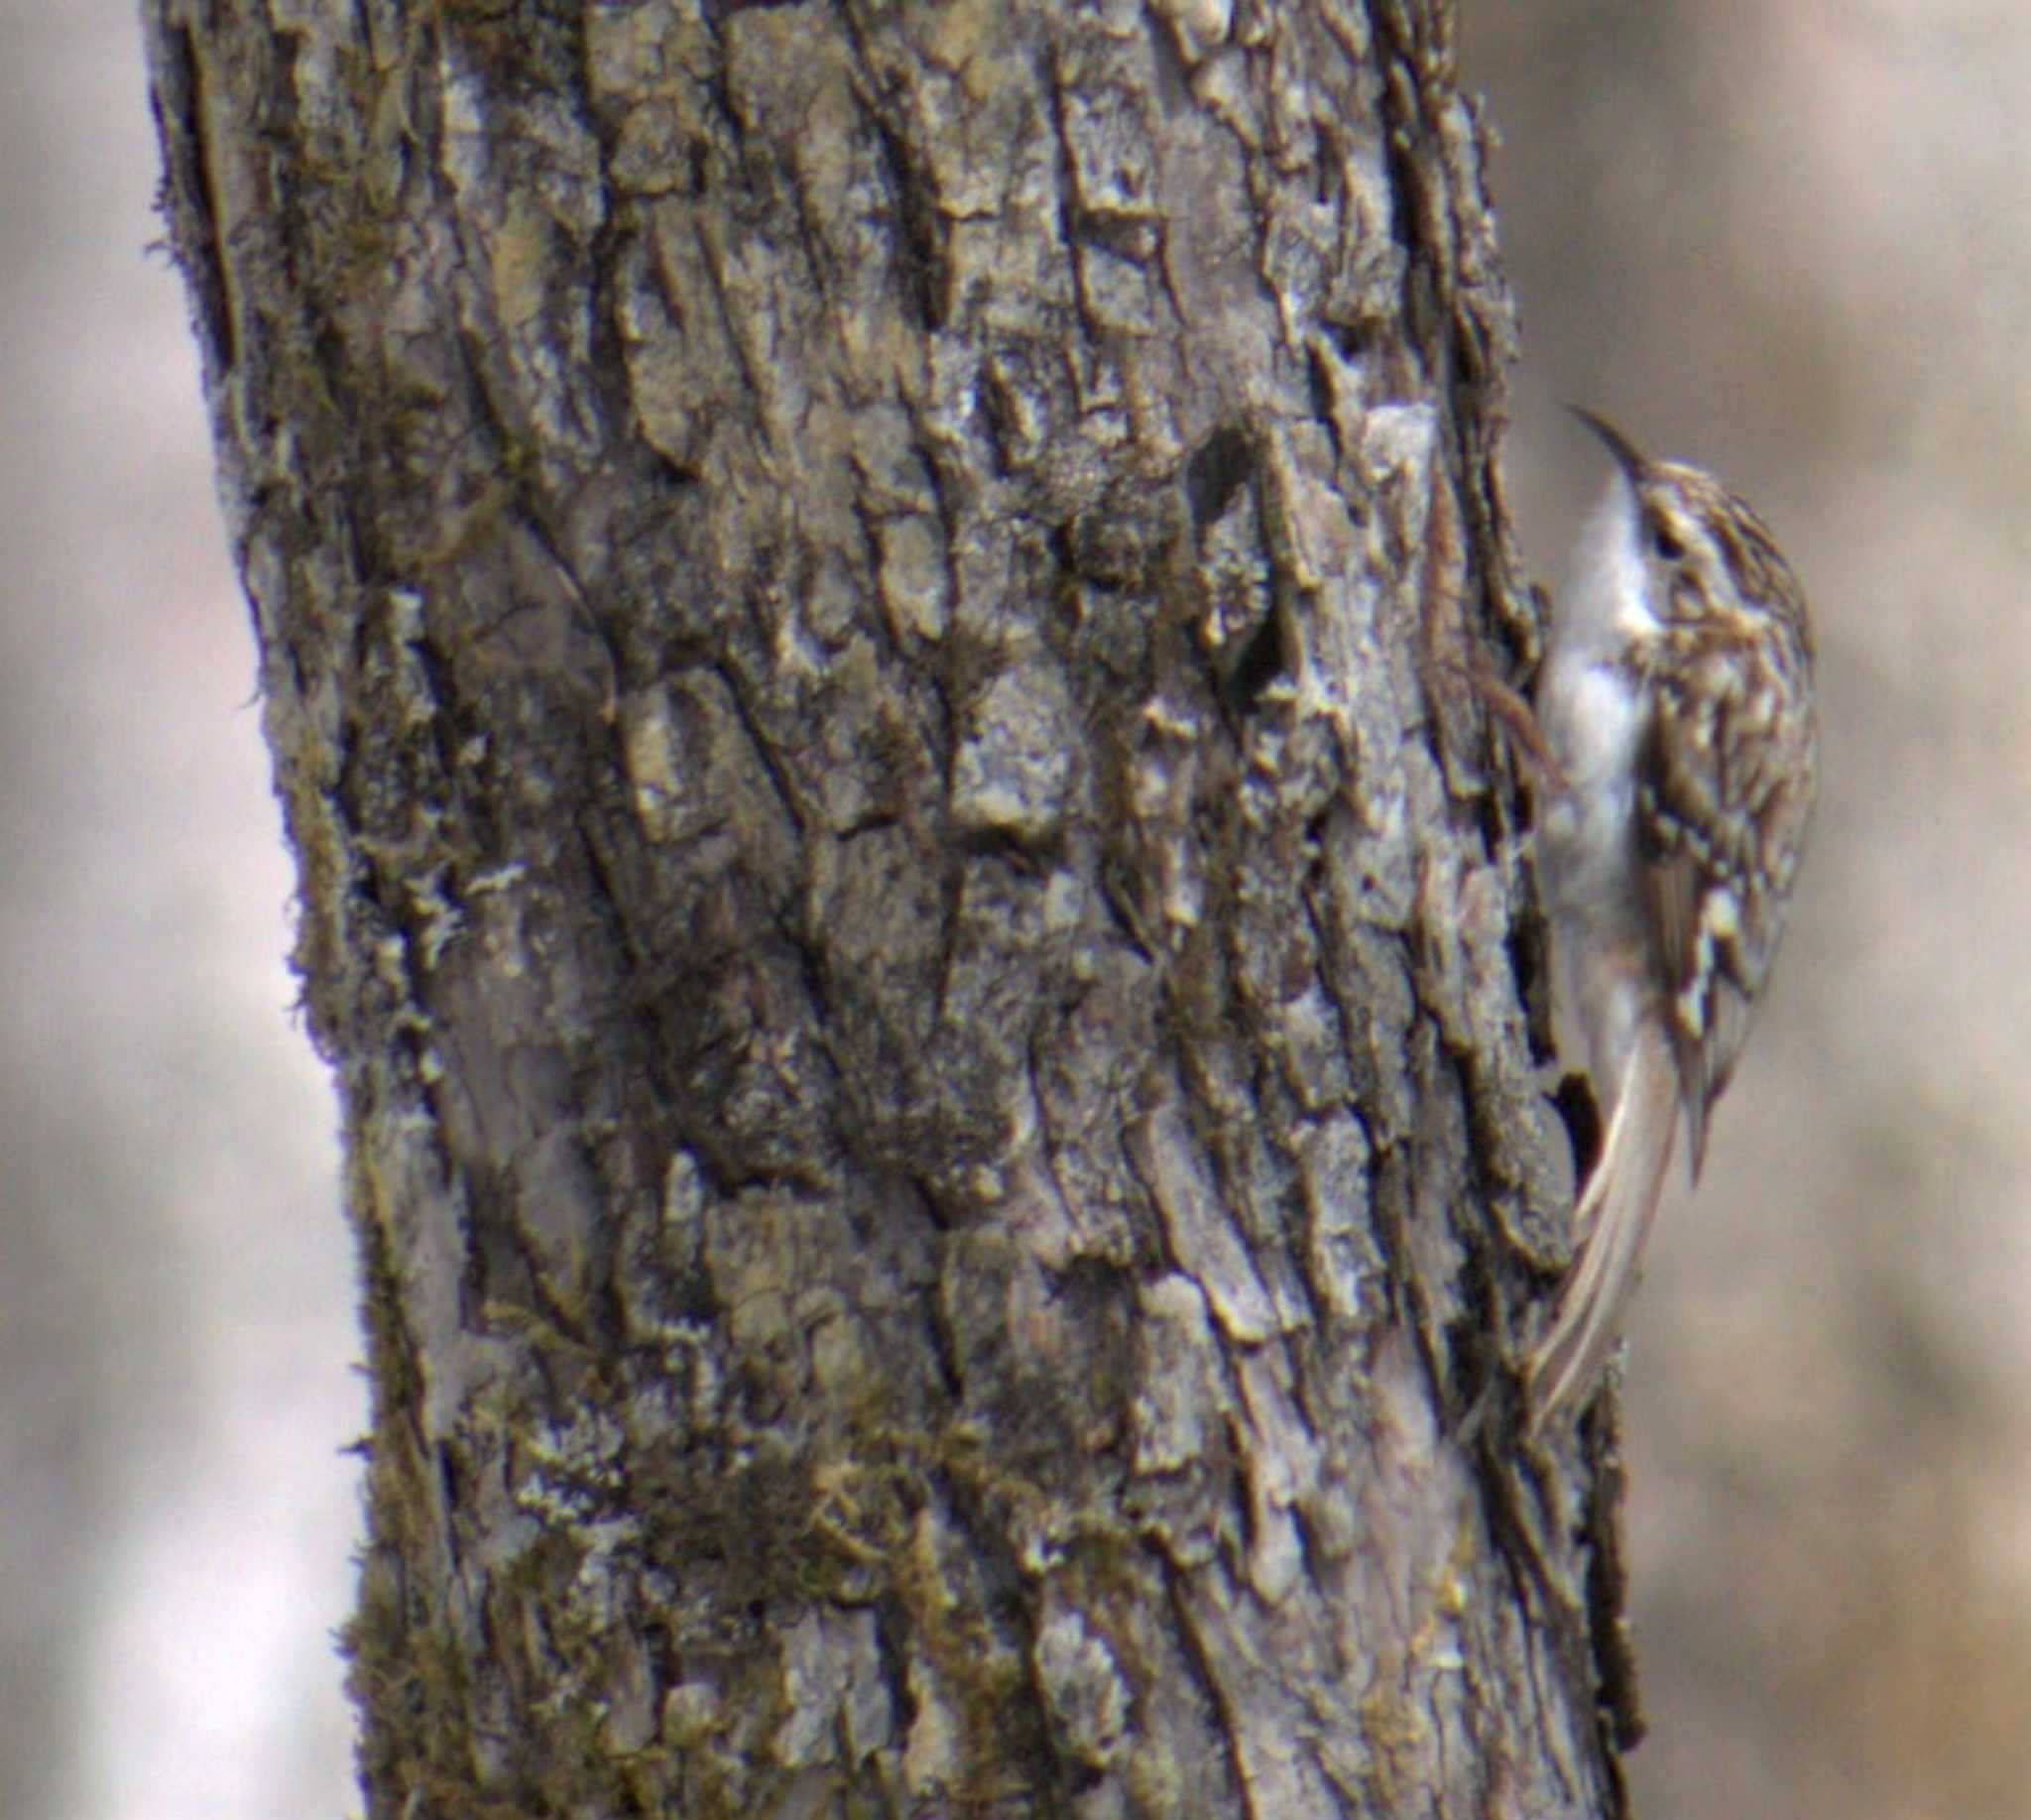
x: 1726, y: 779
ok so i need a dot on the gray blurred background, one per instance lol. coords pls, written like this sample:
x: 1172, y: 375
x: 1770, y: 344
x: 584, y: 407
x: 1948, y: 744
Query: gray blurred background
x: 176, y: 1301
x: 1790, y: 239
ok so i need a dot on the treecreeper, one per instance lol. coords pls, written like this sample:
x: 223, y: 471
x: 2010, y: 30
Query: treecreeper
x: 1677, y: 723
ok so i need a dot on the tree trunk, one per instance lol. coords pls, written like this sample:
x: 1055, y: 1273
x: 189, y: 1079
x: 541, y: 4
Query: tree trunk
x: 861, y: 614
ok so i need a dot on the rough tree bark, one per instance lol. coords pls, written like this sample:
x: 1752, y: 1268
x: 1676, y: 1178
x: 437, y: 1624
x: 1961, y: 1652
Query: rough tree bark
x: 860, y: 610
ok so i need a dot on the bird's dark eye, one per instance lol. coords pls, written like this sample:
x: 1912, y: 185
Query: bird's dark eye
x: 1667, y: 546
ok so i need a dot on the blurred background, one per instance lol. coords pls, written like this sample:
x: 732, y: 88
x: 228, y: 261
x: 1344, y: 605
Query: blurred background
x: 1790, y: 239
x: 176, y: 1287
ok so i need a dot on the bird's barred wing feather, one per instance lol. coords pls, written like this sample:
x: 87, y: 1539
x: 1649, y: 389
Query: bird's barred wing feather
x: 1725, y: 785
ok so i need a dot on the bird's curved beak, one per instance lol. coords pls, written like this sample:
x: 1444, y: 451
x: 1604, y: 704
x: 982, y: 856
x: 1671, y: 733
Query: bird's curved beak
x: 1627, y: 457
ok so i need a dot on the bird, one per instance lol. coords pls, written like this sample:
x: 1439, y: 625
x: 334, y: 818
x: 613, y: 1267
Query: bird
x: 1677, y: 719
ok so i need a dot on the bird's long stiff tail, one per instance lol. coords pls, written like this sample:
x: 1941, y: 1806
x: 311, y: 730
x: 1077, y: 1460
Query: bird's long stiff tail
x: 1613, y: 1218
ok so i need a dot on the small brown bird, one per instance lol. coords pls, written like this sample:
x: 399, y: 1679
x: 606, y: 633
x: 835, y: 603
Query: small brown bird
x: 1676, y: 707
